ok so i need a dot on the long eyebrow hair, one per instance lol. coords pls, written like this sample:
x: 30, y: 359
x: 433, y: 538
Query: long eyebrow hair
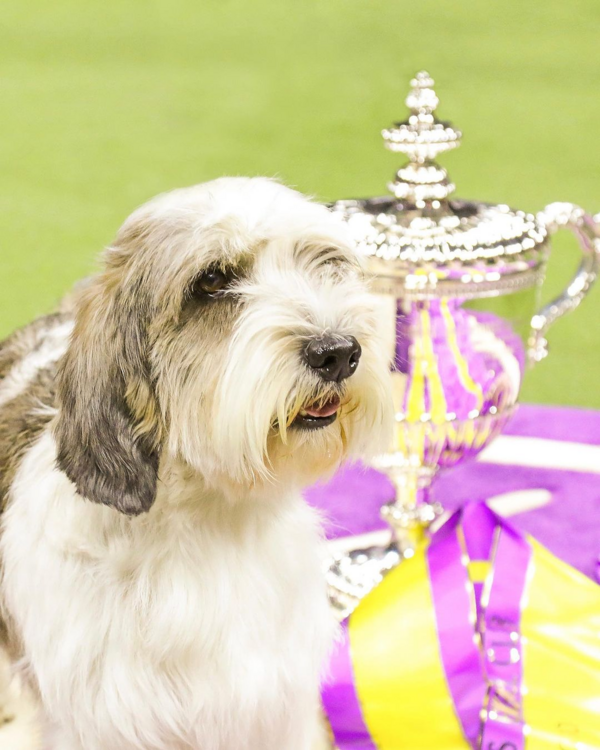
x: 315, y: 256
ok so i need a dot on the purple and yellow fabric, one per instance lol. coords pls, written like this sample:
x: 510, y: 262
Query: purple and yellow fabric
x: 458, y: 361
x: 482, y: 640
x: 451, y: 365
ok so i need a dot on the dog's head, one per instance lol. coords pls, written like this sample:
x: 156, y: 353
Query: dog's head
x: 230, y: 329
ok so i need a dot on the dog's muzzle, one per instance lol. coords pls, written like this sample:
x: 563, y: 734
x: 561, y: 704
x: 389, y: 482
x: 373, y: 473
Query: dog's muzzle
x: 333, y: 359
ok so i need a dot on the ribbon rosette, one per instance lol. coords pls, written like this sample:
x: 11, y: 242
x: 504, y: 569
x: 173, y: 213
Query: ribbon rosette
x: 482, y: 640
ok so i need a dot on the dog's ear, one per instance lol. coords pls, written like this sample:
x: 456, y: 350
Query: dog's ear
x: 107, y: 428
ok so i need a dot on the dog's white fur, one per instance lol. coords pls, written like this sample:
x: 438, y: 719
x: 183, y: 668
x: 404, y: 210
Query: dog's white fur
x: 202, y: 624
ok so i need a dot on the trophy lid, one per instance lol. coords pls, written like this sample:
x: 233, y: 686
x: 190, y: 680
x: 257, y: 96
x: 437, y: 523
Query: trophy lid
x: 420, y: 242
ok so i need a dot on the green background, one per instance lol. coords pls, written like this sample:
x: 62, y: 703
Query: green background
x: 106, y: 103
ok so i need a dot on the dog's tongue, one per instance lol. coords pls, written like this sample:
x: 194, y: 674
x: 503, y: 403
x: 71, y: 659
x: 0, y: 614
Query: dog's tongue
x: 326, y: 410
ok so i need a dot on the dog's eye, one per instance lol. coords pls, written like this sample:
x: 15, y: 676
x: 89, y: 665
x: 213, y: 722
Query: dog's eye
x: 210, y: 282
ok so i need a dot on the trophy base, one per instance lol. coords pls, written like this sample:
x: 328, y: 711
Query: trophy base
x: 352, y: 574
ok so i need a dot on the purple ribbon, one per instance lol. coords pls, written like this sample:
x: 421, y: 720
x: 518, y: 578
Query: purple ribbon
x: 486, y: 675
x: 454, y: 607
x: 341, y: 702
x: 503, y: 647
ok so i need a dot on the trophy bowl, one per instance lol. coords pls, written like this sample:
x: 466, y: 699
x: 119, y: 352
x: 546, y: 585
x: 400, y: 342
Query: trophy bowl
x: 458, y: 284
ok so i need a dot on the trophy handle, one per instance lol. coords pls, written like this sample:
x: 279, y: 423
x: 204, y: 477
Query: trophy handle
x: 587, y: 231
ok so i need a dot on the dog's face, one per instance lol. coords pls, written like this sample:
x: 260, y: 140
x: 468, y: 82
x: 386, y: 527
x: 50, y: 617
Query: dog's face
x: 231, y: 329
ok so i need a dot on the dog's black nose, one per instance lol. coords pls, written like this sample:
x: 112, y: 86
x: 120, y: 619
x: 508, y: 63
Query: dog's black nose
x: 333, y: 357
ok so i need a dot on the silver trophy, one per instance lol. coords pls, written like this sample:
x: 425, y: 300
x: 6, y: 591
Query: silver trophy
x: 458, y: 284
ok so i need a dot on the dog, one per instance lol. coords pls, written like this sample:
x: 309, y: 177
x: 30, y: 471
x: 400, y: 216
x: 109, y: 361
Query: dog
x: 162, y: 576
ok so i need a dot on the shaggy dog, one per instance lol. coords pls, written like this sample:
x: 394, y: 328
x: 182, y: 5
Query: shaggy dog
x: 162, y: 576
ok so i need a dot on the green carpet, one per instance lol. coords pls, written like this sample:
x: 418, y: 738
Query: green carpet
x: 106, y: 103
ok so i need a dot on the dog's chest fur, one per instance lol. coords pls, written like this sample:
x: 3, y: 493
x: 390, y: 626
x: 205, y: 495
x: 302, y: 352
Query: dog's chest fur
x: 184, y: 628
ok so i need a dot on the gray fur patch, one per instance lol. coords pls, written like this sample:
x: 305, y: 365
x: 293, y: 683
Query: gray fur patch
x: 23, y: 418
x: 26, y: 340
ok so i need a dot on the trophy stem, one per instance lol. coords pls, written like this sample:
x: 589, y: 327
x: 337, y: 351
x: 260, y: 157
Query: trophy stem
x: 412, y: 511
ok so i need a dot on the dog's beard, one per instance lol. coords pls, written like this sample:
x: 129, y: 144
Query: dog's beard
x: 257, y: 422
x: 245, y: 428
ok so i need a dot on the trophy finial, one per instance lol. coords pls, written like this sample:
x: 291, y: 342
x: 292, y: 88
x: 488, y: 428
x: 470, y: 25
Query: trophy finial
x: 422, y: 98
x: 422, y: 137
